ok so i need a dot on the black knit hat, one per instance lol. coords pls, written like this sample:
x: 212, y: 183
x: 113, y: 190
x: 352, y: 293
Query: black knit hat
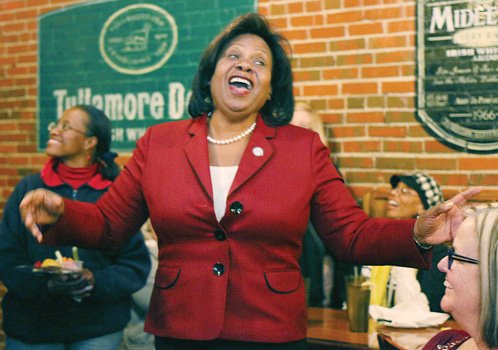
x: 427, y: 188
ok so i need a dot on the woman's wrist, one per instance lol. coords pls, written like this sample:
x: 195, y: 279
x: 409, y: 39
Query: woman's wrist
x: 420, y: 244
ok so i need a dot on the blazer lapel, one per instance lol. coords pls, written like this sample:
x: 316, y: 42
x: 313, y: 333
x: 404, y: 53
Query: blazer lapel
x: 259, y: 150
x: 197, y: 153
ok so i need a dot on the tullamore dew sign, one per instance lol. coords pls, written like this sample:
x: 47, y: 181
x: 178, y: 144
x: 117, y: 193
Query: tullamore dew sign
x: 133, y: 59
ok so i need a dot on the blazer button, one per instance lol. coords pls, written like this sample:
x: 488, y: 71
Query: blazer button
x: 236, y: 208
x: 220, y: 235
x: 218, y: 269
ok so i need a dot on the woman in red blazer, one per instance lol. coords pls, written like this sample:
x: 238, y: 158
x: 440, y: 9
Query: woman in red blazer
x: 229, y: 194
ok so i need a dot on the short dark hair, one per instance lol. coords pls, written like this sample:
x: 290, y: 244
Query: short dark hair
x: 276, y: 111
x: 100, y: 126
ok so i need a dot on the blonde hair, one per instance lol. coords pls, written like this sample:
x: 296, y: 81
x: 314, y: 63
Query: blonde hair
x: 487, y: 231
x: 316, y: 121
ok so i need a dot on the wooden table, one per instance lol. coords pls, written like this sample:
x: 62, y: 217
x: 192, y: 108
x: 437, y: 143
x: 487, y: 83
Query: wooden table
x: 329, y: 329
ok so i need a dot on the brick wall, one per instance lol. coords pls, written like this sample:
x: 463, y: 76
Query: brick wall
x: 353, y: 60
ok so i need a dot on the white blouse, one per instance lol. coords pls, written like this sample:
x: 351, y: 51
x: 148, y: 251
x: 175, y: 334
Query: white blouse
x: 222, y: 179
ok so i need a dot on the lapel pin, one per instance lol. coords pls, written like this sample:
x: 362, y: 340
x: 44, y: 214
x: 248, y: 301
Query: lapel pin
x: 258, y: 151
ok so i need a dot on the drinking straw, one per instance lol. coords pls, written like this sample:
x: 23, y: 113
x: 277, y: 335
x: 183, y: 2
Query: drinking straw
x: 76, y: 256
x: 58, y: 255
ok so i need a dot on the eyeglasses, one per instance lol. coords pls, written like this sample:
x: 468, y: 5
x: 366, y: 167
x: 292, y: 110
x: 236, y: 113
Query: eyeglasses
x: 405, y: 191
x: 64, y: 127
x: 454, y: 256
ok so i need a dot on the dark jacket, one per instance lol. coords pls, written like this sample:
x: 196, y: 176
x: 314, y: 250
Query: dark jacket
x: 30, y: 313
x: 432, y: 280
x: 311, y: 263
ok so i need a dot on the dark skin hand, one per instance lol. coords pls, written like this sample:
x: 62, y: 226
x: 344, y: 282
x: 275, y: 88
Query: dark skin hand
x: 438, y: 224
x: 38, y: 208
x: 78, y: 284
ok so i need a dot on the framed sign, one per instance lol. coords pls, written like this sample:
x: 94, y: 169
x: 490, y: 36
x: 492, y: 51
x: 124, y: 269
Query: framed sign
x: 133, y: 59
x: 457, y: 77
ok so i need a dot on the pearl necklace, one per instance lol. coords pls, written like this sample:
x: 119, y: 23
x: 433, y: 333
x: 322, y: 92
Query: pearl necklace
x: 240, y: 136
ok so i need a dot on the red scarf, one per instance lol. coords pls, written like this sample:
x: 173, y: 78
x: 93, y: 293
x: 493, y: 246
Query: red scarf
x: 56, y: 173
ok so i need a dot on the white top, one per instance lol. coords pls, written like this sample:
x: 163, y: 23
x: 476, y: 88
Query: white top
x: 221, y: 178
x: 408, y: 288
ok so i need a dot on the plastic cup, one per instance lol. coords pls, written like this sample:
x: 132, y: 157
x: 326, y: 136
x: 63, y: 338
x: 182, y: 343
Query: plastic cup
x: 358, y: 301
x: 79, y: 264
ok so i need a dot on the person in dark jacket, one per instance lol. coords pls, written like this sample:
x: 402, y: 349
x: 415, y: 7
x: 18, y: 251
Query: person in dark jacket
x: 312, y: 261
x: 86, y: 310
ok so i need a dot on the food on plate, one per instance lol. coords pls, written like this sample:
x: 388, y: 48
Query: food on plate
x: 63, y: 263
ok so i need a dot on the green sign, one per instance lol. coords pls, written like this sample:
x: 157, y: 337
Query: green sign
x: 133, y: 59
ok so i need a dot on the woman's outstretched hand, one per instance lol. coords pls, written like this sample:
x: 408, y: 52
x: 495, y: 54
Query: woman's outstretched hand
x: 438, y: 224
x: 38, y: 208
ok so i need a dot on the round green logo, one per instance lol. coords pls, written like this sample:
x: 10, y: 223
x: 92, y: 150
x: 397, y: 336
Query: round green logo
x: 138, y: 39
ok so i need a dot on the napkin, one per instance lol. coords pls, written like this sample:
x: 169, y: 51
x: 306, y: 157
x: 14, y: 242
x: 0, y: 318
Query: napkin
x: 406, y: 315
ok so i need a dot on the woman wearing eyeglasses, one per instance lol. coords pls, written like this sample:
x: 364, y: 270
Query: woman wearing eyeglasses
x: 471, y: 296
x: 411, y: 194
x: 83, y: 311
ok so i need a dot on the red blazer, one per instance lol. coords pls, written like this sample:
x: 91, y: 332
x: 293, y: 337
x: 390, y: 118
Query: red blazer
x: 239, y: 278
